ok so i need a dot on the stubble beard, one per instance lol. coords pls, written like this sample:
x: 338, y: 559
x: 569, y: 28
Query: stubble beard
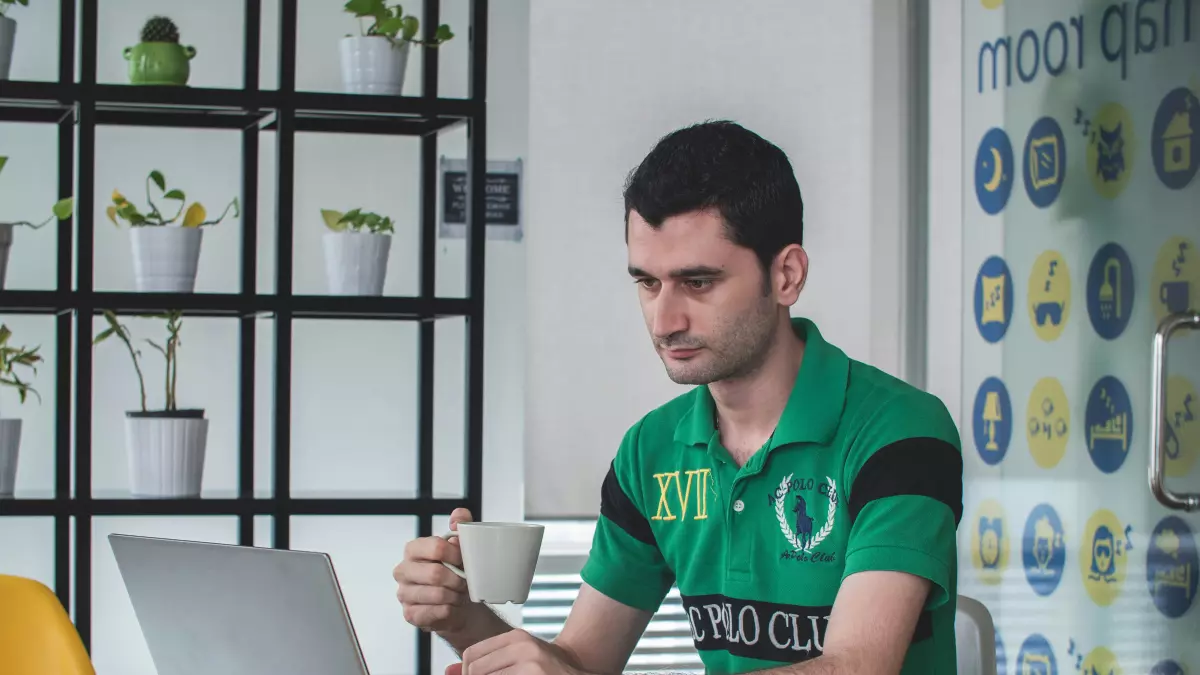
x: 737, y: 348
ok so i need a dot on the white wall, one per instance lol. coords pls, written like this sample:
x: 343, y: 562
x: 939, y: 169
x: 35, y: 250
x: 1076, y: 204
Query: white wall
x: 803, y: 76
x: 345, y: 438
x: 945, y: 296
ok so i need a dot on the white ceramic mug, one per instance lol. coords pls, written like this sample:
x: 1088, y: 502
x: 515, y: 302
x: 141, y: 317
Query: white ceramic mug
x: 498, y: 560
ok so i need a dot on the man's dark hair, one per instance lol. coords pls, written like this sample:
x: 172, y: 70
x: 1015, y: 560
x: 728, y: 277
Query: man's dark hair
x: 720, y: 164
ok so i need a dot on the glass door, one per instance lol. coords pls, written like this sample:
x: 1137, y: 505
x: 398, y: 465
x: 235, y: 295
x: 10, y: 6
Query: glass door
x: 1081, y: 218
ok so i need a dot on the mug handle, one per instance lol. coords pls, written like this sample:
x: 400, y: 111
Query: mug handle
x: 452, y: 568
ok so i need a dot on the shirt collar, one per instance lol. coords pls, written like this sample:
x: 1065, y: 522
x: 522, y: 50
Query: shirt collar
x: 814, y: 407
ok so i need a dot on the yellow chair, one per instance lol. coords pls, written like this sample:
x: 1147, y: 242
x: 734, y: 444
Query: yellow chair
x: 36, y: 634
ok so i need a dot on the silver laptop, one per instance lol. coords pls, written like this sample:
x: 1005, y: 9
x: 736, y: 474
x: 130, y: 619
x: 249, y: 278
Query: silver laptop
x: 237, y: 610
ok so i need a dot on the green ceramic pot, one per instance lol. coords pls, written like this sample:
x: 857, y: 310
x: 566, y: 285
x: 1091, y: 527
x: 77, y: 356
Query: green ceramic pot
x: 159, y: 63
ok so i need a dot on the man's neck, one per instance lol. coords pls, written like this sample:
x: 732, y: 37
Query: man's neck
x: 748, y: 408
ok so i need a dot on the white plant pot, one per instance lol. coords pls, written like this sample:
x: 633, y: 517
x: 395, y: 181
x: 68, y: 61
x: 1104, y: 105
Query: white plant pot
x: 10, y: 444
x: 165, y: 258
x: 6, y: 239
x: 356, y: 262
x: 371, y: 65
x: 166, y: 453
x: 8, y: 36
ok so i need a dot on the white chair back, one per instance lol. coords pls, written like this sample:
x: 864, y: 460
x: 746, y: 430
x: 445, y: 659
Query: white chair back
x: 974, y: 638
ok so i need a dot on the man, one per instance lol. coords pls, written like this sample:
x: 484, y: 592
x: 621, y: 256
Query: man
x: 805, y: 504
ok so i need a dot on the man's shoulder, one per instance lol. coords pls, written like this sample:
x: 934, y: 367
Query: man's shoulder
x: 884, y: 407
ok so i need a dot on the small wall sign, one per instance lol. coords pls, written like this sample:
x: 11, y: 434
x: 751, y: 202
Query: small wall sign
x: 502, y: 199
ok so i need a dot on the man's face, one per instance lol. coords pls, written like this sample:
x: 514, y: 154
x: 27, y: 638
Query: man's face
x: 702, y: 297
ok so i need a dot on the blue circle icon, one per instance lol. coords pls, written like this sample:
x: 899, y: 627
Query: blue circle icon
x: 1173, y: 142
x: 1043, y: 551
x: 1110, y: 291
x: 994, y: 171
x: 1036, y: 656
x: 1167, y: 667
x: 1045, y: 162
x: 992, y: 421
x: 1109, y: 424
x: 993, y: 299
x: 1171, y: 567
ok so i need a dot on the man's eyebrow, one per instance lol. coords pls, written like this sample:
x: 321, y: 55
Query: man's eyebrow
x: 682, y: 273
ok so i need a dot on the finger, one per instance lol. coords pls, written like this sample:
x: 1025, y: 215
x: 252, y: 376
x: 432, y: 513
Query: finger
x: 454, y: 669
x: 435, y: 574
x: 431, y: 549
x: 410, y: 594
x: 460, y: 515
x: 426, y: 615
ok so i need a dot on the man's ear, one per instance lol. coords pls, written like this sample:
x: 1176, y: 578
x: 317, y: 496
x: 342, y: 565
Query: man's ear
x: 789, y: 274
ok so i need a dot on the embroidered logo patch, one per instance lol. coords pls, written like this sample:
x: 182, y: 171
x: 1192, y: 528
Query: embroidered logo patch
x: 798, y: 505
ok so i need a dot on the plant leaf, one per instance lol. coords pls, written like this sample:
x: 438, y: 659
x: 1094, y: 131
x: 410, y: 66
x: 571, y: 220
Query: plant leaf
x: 364, y: 7
x: 3, y: 161
x: 63, y: 208
x: 154, y: 344
x: 158, y: 179
x: 443, y: 33
x: 175, y: 194
x: 389, y: 26
x: 112, y: 215
x: 104, y: 335
x: 194, y: 216
x: 333, y: 219
x: 118, y: 198
x: 411, y: 26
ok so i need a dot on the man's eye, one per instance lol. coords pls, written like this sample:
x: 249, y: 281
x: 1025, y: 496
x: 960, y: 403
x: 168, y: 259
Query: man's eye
x: 645, y: 283
x: 698, y: 284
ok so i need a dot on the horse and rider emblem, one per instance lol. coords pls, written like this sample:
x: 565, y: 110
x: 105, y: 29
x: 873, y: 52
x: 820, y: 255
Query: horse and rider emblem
x: 796, y: 524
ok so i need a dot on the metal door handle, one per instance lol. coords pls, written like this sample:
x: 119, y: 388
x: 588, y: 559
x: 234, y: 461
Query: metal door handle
x: 1158, y: 398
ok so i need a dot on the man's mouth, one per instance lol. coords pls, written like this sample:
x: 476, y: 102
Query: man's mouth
x: 682, y: 352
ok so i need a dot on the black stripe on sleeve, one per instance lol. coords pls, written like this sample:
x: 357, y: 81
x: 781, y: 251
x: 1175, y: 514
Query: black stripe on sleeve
x: 616, y: 505
x: 929, y: 467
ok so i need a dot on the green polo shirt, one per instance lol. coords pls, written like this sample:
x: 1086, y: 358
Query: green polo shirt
x: 864, y: 472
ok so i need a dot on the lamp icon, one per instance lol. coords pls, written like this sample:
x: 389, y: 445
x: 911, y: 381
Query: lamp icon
x: 991, y: 416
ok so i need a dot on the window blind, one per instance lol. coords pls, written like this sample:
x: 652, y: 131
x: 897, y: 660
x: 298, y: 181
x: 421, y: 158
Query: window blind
x: 666, y: 645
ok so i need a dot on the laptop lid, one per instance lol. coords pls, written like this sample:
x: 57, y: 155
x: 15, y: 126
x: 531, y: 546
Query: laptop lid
x: 236, y: 610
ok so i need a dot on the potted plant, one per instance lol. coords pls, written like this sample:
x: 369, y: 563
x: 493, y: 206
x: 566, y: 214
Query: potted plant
x: 62, y: 210
x: 165, y: 255
x: 8, y: 35
x: 159, y: 58
x: 166, y: 446
x: 10, y: 428
x: 374, y: 62
x: 356, y: 246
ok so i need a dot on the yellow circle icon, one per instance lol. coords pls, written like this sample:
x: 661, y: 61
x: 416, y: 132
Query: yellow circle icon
x: 1111, y: 149
x: 1175, y: 283
x: 1181, y: 426
x: 1102, y: 557
x: 1101, y: 662
x: 1049, y: 295
x: 989, y: 542
x: 1048, y: 423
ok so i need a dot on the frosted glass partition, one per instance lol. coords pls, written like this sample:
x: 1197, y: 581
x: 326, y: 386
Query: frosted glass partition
x: 1081, y: 221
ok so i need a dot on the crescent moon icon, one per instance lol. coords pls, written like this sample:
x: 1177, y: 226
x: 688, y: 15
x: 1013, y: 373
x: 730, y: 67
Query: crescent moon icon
x: 997, y: 171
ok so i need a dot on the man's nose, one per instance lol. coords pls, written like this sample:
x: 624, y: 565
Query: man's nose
x: 668, y: 315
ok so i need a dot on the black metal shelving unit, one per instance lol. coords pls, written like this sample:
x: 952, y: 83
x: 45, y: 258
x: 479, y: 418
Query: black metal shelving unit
x: 78, y: 105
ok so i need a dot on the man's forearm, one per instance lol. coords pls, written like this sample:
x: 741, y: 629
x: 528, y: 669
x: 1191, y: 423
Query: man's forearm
x: 483, y: 624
